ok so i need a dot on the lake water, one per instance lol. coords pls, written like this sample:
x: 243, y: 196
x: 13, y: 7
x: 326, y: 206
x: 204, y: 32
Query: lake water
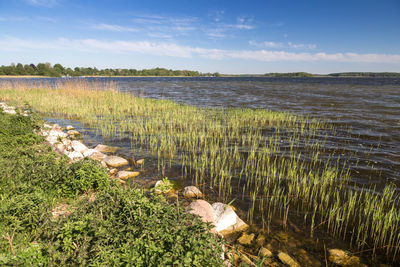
x: 366, y: 111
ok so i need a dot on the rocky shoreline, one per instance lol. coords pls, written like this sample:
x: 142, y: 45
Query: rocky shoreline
x: 244, y: 243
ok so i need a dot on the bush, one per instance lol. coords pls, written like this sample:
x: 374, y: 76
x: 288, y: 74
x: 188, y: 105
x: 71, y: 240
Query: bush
x: 126, y: 227
x: 85, y: 175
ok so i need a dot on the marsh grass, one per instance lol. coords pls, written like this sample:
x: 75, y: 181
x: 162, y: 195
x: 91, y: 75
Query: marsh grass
x: 276, y: 160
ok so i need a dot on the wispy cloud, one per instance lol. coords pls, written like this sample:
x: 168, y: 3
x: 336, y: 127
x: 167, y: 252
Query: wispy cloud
x: 269, y: 44
x: 181, y: 51
x: 43, y: 3
x: 115, y: 28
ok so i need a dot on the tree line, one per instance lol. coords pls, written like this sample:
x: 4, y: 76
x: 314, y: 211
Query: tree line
x: 47, y: 69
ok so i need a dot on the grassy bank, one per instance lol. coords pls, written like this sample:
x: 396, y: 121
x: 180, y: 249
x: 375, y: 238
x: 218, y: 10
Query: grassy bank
x: 251, y: 153
x: 118, y: 227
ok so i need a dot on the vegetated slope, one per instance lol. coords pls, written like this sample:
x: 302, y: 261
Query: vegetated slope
x: 120, y: 227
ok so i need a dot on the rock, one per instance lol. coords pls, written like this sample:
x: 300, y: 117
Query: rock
x: 103, y: 164
x: 55, y: 136
x: 45, y: 125
x: 106, y: 149
x: 112, y: 171
x: 286, y: 259
x: 341, y: 258
x: 56, y: 127
x: 89, y: 152
x: 246, y: 239
x: 260, y: 239
x: 10, y: 111
x: 203, y: 209
x: 163, y: 186
x: 115, y: 161
x: 226, y: 220
x: 60, y: 148
x: 126, y: 174
x: 66, y: 142
x: 78, y: 146
x: 73, y: 132
x: 75, y: 155
x: 192, y: 192
x: 70, y: 127
x: 140, y: 162
x: 264, y: 252
x: 97, y: 156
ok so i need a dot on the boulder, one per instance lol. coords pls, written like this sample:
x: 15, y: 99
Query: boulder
x: 341, y: 258
x: 126, y: 174
x: 203, y: 209
x: 73, y: 132
x: 246, y: 239
x: 60, y: 148
x: 286, y: 259
x: 70, y: 127
x: 96, y: 155
x: 226, y: 219
x: 106, y: 149
x: 192, y: 192
x: 89, y: 152
x: 75, y: 155
x: 78, y: 146
x: 55, y: 135
x: 115, y: 161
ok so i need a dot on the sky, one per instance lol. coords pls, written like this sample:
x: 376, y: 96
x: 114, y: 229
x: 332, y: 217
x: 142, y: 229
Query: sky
x: 231, y: 37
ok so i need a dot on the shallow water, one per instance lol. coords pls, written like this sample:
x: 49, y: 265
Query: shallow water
x: 366, y: 111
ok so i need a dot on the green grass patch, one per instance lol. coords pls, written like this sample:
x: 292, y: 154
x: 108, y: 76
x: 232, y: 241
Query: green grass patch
x: 120, y: 227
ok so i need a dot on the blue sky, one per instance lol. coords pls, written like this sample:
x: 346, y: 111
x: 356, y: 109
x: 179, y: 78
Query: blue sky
x: 317, y: 36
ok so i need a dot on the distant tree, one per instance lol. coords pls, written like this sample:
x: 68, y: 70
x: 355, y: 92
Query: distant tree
x: 19, y: 69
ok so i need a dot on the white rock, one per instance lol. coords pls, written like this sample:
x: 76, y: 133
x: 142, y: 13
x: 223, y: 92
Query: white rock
x: 98, y: 156
x: 70, y: 127
x: 52, y: 139
x: 89, y: 152
x: 75, y: 155
x: 224, y: 216
x: 78, y: 146
x: 57, y: 133
x: 45, y: 125
x: 10, y: 111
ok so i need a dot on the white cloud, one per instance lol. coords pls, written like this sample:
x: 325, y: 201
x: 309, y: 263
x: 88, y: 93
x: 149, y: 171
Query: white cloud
x: 181, y: 51
x: 115, y: 28
x: 269, y: 44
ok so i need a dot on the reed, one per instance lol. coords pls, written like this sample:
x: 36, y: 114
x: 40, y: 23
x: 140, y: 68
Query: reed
x: 255, y: 153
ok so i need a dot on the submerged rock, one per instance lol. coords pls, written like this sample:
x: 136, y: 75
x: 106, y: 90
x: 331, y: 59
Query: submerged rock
x: 106, y: 149
x: 192, y: 192
x: 126, y: 174
x: 226, y: 220
x: 264, y: 252
x: 203, y: 209
x: 341, y: 258
x: 246, y: 239
x: 286, y: 259
x: 115, y: 161
x: 73, y: 132
x: 96, y: 155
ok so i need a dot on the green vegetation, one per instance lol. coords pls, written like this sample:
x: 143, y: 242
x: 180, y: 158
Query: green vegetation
x: 367, y: 74
x: 46, y: 69
x: 237, y: 151
x: 119, y: 227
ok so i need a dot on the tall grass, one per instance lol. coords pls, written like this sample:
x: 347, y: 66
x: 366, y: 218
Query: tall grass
x: 276, y: 161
